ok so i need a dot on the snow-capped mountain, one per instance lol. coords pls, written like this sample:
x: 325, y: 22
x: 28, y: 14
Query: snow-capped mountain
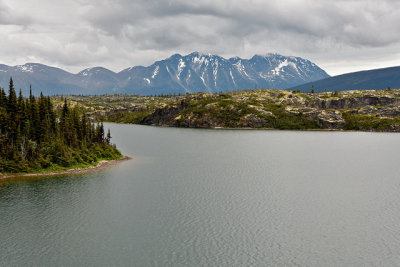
x: 195, y: 72
x: 210, y: 73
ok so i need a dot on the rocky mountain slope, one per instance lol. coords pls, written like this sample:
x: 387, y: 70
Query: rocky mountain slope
x: 175, y: 75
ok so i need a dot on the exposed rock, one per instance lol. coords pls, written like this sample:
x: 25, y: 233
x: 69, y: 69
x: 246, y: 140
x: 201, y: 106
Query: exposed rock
x: 252, y: 121
x: 330, y: 119
x: 324, y: 118
x: 355, y: 102
x: 211, y: 106
x: 384, y: 111
x: 164, y: 116
x: 294, y: 101
x: 231, y: 107
x: 198, y: 121
x: 262, y: 111
x: 394, y: 128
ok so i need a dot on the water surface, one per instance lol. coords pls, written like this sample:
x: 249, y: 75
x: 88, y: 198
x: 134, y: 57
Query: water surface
x: 214, y: 197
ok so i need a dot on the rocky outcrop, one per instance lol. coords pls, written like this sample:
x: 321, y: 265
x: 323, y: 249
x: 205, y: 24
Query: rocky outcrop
x: 164, y: 116
x: 355, y: 102
x: 291, y: 100
x: 262, y: 111
x: 324, y: 118
x: 252, y: 121
x: 192, y: 120
x: 380, y: 111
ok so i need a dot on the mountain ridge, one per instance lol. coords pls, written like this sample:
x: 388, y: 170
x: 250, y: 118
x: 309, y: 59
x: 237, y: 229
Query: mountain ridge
x: 194, y: 72
x: 374, y: 79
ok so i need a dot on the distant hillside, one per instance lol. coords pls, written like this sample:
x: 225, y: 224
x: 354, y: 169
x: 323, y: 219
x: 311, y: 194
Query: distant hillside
x: 195, y: 72
x: 370, y: 79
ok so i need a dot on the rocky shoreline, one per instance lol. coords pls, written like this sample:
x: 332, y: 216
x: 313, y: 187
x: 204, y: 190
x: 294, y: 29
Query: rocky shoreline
x: 101, y: 165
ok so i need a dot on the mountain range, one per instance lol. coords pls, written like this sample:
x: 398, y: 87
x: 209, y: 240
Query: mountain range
x: 191, y: 73
x: 369, y: 79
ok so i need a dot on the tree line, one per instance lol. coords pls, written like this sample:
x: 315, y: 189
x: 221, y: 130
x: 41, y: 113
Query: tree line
x: 35, y: 136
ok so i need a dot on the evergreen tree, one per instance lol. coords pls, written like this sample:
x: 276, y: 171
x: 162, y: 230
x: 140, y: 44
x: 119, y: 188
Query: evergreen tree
x: 3, y: 98
x: 12, y: 99
x: 108, y: 138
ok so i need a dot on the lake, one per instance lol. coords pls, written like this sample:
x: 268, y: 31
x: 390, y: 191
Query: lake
x: 193, y: 197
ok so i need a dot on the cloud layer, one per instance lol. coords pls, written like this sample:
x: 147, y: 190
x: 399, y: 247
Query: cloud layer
x: 339, y: 36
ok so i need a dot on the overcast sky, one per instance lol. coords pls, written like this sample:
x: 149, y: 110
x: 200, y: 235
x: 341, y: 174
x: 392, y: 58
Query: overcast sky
x: 340, y: 36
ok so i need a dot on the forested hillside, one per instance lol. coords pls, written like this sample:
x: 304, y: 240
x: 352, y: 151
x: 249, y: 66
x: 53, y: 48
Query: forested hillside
x: 35, y: 137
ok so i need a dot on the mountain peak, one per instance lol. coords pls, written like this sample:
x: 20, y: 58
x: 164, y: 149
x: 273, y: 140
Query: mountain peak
x: 195, y: 54
x: 94, y: 70
x: 174, y: 56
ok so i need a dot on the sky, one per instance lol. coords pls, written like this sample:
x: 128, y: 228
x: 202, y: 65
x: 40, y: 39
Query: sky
x: 339, y: 36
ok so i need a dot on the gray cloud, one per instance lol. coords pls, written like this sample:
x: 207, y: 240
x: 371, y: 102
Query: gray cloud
x: 339, y: 36
x: 10, y: 16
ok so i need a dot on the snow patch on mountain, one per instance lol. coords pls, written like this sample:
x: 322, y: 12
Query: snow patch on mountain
x: 239, y: 66
x: 215, y: 72
x: 279, y: 68
x: 25, y: 68
x: 181, y: 66
x: 155, y: 72
x: 233, y: 78
x: 189, y: 76
x: 84, y: 73
x: 202, y: 78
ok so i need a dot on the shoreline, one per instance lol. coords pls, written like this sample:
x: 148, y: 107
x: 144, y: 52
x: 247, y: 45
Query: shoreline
x: 101, y: 165
x: 257, y: 129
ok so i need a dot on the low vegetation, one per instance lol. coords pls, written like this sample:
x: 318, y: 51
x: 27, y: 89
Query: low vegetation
x: 365, y: 122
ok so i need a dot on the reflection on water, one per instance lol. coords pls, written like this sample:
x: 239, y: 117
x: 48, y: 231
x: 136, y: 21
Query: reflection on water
x: 214, y: 197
